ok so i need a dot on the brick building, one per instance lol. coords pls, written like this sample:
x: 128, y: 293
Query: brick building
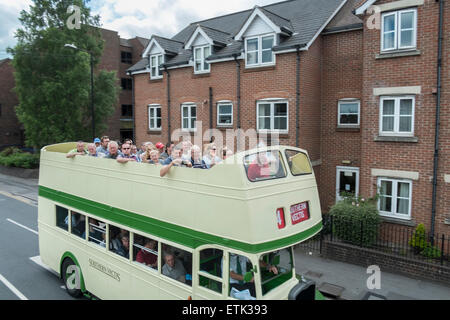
x: 356, y: 87
x: 11, y: 132
x: 118, y: 55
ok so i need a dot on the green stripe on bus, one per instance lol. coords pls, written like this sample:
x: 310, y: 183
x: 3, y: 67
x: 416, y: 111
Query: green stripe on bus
x: 172, y: 232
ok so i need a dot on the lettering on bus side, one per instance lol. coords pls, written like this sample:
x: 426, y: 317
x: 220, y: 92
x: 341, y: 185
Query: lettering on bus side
x: 104, y: 269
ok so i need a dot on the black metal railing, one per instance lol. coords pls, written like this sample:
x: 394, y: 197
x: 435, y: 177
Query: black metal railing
x: 399, y: 240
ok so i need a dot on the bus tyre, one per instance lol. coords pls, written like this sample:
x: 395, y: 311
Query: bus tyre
x: 71, y: 275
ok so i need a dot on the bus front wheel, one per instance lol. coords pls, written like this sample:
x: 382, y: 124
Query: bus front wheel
x: 71, y: 275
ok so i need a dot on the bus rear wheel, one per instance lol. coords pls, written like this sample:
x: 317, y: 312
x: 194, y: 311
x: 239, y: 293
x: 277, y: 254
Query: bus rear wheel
x: 71, y: 275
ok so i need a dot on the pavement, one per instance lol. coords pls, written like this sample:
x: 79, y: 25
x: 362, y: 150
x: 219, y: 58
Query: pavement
x: 344, y: 281
x: 337, y: 280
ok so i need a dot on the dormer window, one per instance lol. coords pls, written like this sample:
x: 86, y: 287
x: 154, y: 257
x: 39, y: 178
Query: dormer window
x: 200, y: 55
x: 156, y: 61
x: 258, y: 50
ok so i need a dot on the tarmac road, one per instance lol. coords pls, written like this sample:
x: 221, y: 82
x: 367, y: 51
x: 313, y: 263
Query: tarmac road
x: 21, y: 275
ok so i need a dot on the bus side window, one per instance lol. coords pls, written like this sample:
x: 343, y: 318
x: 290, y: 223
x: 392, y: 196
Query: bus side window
x: 119, y: 241
x: 177, y: 264
x: 211, y: 264
x: 239, y: 266
x: 97, y: 232
x: 145, y: 251
x: 62, y: 218
x: 78, y: 224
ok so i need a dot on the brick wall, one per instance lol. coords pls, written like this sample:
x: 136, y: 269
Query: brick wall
x: 387, y: 262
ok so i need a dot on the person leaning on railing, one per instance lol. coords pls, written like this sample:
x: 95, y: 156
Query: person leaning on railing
x: 78, y: 151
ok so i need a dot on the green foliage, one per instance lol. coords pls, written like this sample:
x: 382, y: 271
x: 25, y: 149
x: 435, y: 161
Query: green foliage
x: 53, y: 82
x: 418, y: 240
x: 18, y: 159
x: 421, y: 245
x: 356, y: 220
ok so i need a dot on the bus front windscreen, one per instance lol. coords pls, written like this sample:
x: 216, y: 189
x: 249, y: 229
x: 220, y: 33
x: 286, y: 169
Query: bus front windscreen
x: 276, y: 269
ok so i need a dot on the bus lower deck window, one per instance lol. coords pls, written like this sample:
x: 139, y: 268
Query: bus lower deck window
x: 97, y: 232
x: 177, y: 264
x: 78, y: 224
x: 145, y: 251
x: 119, y: 241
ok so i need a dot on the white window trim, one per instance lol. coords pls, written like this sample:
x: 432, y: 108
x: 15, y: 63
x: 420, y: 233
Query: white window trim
x: 397, y: 31
x: 157, y: 66
x: 219, y: 103
x: 260, y: 63
x: 350, y: 100
x: 154, y: 106
x: 272, y: 118
x: 396, y: 131
x: 349, y: 169
x: 189, y: 105
x: 203, y: 59
x: 393, y: 213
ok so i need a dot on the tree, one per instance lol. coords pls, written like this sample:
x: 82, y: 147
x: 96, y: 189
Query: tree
x: 52, y: 81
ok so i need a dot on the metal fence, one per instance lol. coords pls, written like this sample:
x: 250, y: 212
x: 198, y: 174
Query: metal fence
x: 399, y: 240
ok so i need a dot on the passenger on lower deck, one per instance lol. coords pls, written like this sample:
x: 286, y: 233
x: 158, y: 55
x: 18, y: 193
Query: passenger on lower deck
x: 173, y: 268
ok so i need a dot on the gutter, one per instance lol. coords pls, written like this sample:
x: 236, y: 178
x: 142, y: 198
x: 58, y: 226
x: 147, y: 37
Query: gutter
x: 437, y: 126
x: 238, y: 91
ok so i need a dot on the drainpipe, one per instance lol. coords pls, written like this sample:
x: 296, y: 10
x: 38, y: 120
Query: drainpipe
x: 238, y: 91
x: 133, y: 107
x: 297, y: 100
x: 210, y: 107
x: 168, y: 104
x: 437, y: 126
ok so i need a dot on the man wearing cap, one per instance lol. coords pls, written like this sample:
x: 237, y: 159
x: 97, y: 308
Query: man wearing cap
x: 97, y: 142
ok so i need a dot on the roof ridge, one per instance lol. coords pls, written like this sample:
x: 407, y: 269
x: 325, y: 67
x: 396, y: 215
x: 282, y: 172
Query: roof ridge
x: 214, y: 29
x: 276, y: 14
x: 166, y: 39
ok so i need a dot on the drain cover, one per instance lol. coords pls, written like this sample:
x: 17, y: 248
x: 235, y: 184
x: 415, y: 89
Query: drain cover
x: 331, y: 289
x: 313, y: 274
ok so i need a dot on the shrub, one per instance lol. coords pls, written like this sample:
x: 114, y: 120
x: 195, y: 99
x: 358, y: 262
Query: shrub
x: 421, y: 245
x: 19, y: 159
x: 356, y: 220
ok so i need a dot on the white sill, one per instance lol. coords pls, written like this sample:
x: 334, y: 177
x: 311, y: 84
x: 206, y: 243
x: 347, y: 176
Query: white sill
x: 202, y: 72
x: 252, y: 66
x: 398, y: 220
x: 156, y: 78
x: 225, y: 125
x: 272, y: 132
x: 396, y: 138
x: 154, y: 129
x: 398, y: 53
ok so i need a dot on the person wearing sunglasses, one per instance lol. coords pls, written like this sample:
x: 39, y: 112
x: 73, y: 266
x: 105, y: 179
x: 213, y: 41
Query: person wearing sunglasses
x: 126, y: 155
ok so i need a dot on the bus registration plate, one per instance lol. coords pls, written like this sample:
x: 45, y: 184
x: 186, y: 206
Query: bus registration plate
x: 299, y: 212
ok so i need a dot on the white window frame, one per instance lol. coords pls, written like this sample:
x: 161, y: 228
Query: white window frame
x: 346, y: 169
x: 202, y: 59
x: 157, y: 75
x: 220, y: 103
x: 393, y: 213
x: 397, y: 116
x: 260, y: 50
x: 189, y: 105
x: 397, y: 30
x: 350, y: 100
x: 272, y: 117
x: 155, y: 118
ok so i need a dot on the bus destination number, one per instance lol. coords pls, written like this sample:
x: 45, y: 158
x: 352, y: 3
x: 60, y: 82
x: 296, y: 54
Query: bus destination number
x: 299, y: 212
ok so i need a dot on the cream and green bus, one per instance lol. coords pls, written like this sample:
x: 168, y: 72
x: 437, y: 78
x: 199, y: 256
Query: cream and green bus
x: 120, y: 231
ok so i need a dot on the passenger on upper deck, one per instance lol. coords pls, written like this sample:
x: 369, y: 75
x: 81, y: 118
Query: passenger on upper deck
x: 169, y: 147
x: 103, y: 146
x: 259, y: 168
x: 210, y: 158
x: 79, y: 151
x: 92, y: 151
x: 126, y: 155
x: 113, y: 150
x: 196, y: 158
x: 154, y: 157
x: 174, y: 160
